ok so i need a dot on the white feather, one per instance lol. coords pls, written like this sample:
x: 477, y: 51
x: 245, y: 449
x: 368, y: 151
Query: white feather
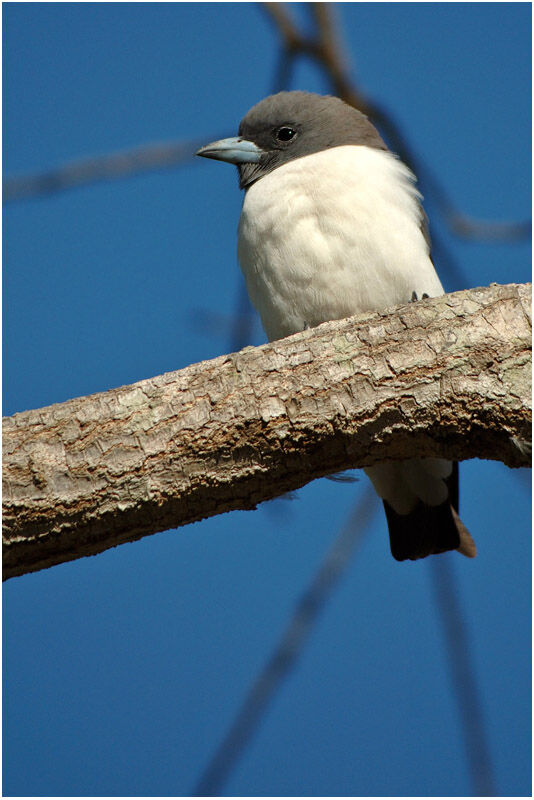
x: 330, y: 235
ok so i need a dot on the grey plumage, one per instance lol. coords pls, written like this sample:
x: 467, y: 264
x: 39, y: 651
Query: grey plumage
x: 320, y: 122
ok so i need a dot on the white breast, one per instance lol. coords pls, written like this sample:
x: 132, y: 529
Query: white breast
x: 330, y: 235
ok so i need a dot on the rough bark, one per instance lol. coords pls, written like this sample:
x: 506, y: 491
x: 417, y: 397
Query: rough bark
x: 448, y: 376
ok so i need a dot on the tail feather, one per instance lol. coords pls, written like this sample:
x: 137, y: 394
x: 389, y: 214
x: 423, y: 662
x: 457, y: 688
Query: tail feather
x: 428, y: 530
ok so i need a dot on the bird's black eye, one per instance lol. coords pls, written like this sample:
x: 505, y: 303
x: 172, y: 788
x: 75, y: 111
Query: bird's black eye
x: 285, y: 133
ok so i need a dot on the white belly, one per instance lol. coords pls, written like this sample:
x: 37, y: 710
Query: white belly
x: 330, y: 235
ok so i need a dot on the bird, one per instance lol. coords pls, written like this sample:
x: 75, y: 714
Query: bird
x: 331, y: 226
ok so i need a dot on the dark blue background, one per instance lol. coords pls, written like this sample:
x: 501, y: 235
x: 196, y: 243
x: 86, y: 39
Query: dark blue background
x: 122, y: 672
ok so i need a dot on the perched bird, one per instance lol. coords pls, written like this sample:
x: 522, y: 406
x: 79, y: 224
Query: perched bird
x: 331, y: 226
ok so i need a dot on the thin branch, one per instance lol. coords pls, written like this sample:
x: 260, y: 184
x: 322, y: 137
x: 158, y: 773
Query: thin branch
x: 464, y: 678
x: 148, y: 158
x: 280, y: 15
x: 498, y: 231
x: 326, y: 50
x: 445, y: 377
x: 289, y: 648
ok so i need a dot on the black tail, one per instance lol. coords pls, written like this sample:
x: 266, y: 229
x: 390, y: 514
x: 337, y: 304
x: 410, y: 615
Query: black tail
x: 428, y: 530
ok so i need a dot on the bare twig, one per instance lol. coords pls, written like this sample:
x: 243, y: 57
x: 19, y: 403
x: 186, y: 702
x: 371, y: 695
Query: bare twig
x: 289, y: 648
x: 326, y: 50
x: 463, y: 676
x: 122, y: 164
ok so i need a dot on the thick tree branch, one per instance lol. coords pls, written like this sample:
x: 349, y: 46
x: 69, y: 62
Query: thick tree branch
x: 448, y: 376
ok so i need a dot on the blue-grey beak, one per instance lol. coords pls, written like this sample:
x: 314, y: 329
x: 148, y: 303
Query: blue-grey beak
x: 235, y: 150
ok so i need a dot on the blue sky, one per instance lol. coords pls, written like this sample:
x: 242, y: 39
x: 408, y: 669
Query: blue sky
x: 122, y: 672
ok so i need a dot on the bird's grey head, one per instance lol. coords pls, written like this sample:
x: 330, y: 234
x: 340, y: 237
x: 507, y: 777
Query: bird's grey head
x: 291, y: 125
